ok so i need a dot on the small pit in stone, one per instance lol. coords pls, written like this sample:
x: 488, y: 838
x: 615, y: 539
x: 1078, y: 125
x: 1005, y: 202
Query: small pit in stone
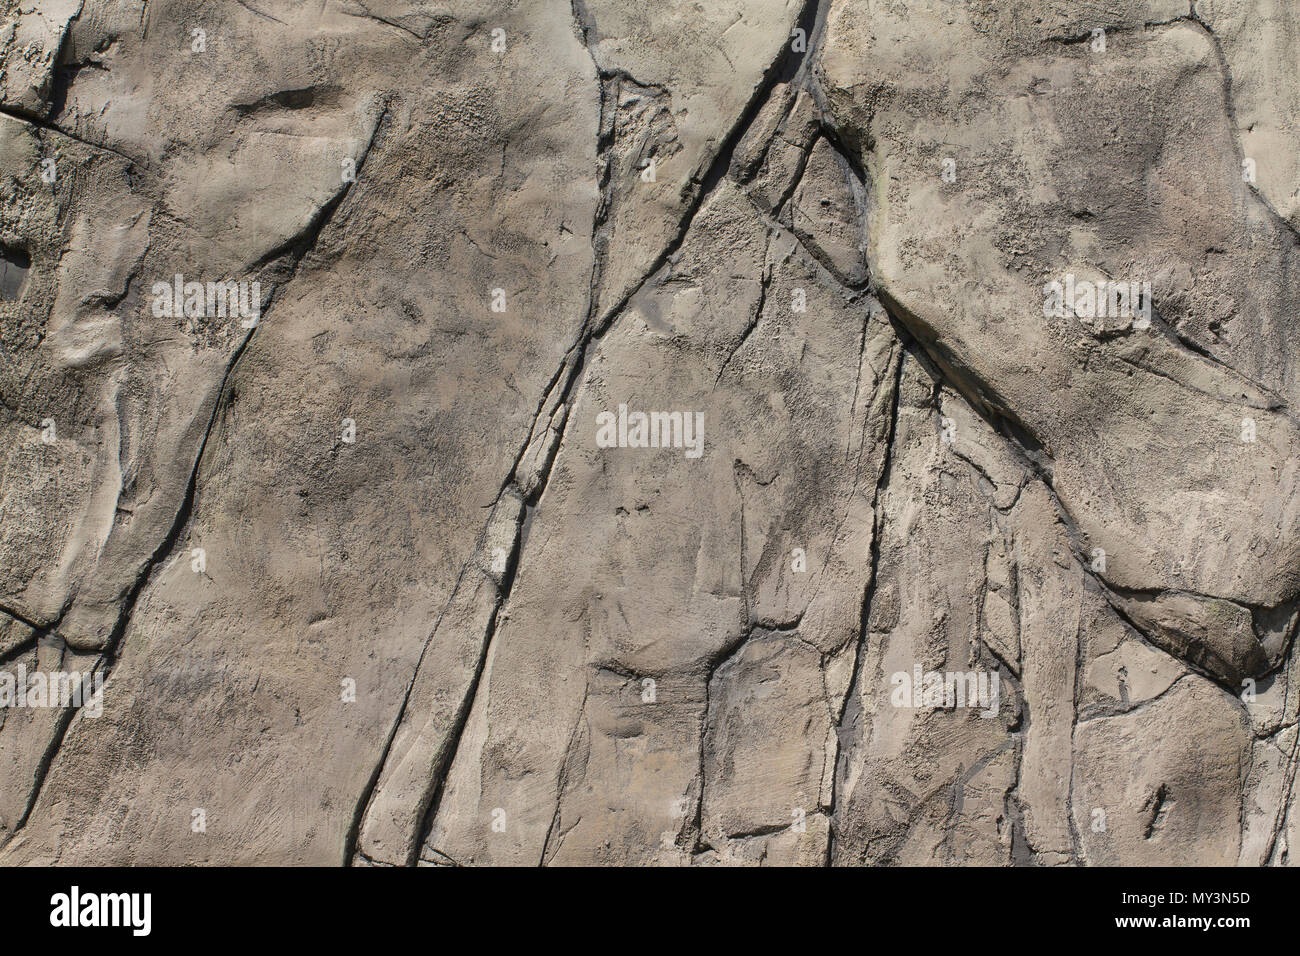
x: 14, y: 264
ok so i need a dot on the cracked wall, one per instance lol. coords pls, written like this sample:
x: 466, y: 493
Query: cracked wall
x: 911, y: 569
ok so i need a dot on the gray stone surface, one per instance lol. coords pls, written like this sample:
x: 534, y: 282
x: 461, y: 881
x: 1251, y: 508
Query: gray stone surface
x: 649, y: 437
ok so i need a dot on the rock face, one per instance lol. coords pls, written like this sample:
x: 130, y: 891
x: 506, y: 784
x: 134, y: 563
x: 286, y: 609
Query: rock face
x: 789, y: 432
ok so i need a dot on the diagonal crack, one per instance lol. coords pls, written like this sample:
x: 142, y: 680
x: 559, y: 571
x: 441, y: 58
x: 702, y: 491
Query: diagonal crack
x: 265, y: 16
x: 552, y: 414
x: 297, y: 247
x: 427, y: 802
x: 765, y: 281
x: 44, y: 124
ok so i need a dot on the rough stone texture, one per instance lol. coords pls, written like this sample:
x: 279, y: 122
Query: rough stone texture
x: 922, y: 571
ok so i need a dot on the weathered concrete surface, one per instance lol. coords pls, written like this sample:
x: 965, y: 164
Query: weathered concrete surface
x: 387, y: 570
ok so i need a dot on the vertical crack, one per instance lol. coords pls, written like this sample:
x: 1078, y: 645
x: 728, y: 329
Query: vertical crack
x: 851, y: 707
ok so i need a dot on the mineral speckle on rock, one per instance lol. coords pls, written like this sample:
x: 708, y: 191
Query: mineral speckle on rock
x: 758, y: 432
